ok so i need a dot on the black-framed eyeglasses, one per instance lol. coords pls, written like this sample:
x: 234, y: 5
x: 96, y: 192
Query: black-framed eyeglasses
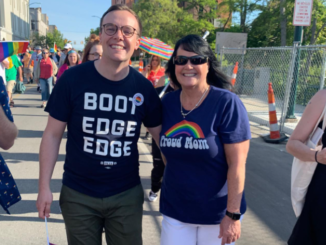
x: 111, y: 29
x: 195, y: 60
x: 96, y: 55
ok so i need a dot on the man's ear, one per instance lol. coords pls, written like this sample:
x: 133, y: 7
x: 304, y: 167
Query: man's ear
x: 137, y: 43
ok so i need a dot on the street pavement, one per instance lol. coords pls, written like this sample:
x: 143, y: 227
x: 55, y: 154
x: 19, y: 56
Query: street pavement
x: 268, y: 220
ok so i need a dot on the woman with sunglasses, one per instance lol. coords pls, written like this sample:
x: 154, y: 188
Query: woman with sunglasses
x: 45, y: 71
x: 93, y: 49
x: 154, y: 71
x: 72, y: 59
x: 205, y: 140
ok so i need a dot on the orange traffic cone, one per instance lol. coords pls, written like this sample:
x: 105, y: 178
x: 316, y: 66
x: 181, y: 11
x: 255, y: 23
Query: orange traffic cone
x: 273, y: 125
x: 235, y: 71
x: 275, y: 136
x: 141, y: 66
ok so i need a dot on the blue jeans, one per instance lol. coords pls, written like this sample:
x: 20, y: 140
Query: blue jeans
x: 46, y: 87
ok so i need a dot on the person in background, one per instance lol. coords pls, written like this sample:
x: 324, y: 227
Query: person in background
x: 54, y: 56
x: 28, y: 67
x: 45, y: 71
x: 205, y: 140
x: 154, y: 71
x: 11, y: 76
x: 64, y: 53
x: 309, y: 228
x: 72, y: 59
x: 93, y: 49
x: 36, y: 56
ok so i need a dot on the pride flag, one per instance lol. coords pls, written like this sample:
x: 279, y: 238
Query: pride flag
x: 8, y: 49
x: 55, y: 48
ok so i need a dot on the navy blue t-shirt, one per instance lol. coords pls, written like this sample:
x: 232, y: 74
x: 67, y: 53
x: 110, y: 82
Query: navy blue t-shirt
x: 104, y: 119
x: 194, y: 188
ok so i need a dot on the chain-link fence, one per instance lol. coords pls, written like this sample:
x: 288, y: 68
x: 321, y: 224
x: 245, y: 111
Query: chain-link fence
x: 296, y: 74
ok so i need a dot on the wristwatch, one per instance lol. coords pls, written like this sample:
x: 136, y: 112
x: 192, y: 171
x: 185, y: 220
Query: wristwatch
x: 234, y: 216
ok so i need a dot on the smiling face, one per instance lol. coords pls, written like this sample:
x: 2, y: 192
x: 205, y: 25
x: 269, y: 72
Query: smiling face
x: 190, y: 75
x: 72, y: 58
x: 119, y: 48
x: 155, y: 62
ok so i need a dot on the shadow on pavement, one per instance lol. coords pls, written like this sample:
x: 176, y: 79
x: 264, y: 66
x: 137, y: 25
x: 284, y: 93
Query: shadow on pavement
x: 268, y: 181
x: 28, y: 219
x: 25, y: 157
x: 30, y: 133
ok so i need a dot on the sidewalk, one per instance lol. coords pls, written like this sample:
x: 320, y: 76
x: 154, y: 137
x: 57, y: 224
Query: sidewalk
x: 269, y: 218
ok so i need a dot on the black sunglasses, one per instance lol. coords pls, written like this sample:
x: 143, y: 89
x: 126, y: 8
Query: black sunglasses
x: 195, y: 60
x: 111, y: 29
x: 45, y: 52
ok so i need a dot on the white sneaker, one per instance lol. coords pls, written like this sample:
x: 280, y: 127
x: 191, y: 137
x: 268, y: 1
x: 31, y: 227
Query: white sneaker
x: 152, y: 196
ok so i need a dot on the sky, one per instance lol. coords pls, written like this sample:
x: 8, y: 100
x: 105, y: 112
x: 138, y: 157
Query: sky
x: 73, y: 18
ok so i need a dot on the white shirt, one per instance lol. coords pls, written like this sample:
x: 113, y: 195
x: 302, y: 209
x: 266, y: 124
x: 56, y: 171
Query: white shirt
x: 3, y: 72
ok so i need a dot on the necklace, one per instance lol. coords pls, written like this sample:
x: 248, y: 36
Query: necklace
x: 186, y: 114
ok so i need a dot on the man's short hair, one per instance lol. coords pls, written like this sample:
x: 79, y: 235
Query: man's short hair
x: 120, y: 7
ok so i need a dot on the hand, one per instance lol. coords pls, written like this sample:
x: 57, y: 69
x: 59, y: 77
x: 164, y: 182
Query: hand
x: 43, y: 203
x: 20, y: 78
x: 321, y: 156
x: 148, y: 68
x: 230, y: 230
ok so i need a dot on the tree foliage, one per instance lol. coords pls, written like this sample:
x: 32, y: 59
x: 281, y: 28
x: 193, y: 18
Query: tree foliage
x: 48, y: 40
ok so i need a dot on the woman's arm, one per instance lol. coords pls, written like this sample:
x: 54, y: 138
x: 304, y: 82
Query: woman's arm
x: 236, y: 157
x: 296, y: 144
x: 54, y: 68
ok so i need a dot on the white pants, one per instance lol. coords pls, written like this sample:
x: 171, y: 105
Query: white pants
x: 175, y: 232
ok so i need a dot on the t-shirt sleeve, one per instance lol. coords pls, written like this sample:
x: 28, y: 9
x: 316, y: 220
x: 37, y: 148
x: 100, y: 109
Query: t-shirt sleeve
x: 59, y: 105
x: 153, y: 117
x: 17, y: 62
x: 234, y: 125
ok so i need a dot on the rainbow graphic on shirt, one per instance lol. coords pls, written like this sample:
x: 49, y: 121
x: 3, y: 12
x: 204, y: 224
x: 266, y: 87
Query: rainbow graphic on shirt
x: 138, y: 99
x: 185, y: 127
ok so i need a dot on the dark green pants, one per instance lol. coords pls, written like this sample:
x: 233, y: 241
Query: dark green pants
x: 120, y: 215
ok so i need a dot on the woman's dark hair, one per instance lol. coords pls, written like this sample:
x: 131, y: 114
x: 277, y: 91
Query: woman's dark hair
x: 196, y: 44
x: 67, y: 60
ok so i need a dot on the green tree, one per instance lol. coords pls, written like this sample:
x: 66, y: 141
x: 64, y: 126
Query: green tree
x: 38, y: 40
x: 169, y: 20
x: 55, y: 37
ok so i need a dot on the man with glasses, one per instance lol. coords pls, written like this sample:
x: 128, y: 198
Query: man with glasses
x: 103, y: 103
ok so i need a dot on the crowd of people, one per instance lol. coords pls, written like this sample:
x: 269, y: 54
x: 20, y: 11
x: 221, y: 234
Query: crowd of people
x: 200, y: 131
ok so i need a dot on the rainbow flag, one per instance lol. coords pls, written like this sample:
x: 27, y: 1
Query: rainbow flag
x: 8, y: 49
x: 55, y: 48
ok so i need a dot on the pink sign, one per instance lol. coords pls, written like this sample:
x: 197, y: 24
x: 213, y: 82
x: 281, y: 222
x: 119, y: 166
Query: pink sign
x: 302, y: 12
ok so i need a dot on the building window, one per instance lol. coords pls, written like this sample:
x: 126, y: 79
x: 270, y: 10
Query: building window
x: 33, y: 26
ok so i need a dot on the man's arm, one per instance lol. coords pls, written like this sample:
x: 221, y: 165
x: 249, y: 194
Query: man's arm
x: 155, y: 132
x: 8, y: 131
x: 236, y: 156
x: 48, y: 156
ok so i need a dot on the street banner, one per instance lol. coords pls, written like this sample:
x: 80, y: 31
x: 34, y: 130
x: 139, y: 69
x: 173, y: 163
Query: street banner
x: 302, y: 12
